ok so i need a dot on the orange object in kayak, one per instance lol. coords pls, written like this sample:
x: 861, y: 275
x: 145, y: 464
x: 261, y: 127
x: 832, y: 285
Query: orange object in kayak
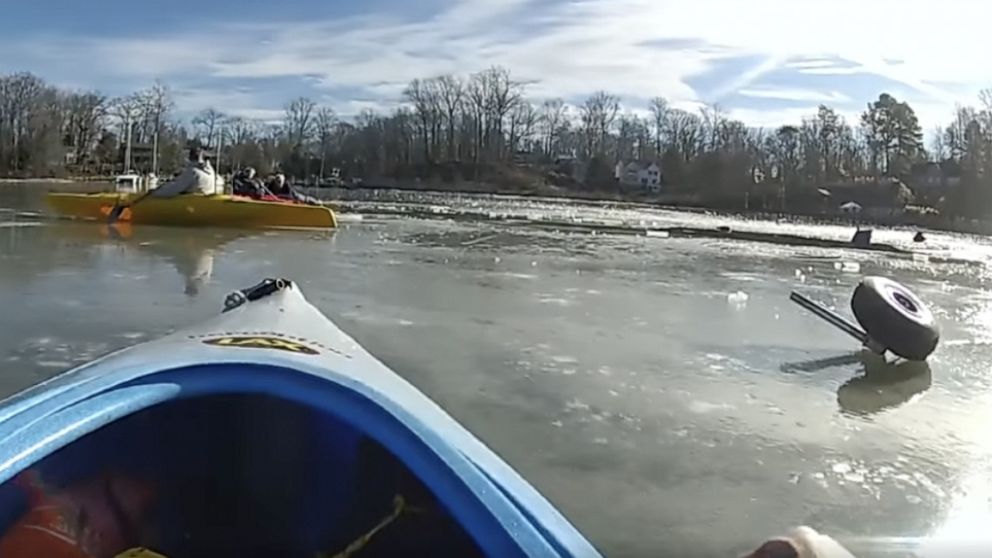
x: 94, y: 519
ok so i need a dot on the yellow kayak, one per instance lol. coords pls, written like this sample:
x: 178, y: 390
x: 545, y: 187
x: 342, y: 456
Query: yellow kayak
x: 194, y: 211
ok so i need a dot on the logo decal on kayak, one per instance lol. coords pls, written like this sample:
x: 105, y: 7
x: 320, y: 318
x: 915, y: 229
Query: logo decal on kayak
x: 251, y: 342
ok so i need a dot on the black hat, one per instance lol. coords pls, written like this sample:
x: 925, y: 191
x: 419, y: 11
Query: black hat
x: 196, y: 152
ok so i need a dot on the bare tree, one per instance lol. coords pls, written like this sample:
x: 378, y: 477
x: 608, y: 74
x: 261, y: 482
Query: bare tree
x: 451, y: 94
x: 326, y: 121
x: 299, y: 122
x: 243, y: 136
x: 479, y: 113
x: 19, y: 96
x: 157, y: 102
x: 554, y: 113
x: 938, y: 145
x: 242, y: 130
x: 659, y: 120
x: 523, y: 119
x: 126, y: 110
x: 685, y: 132
x: 598, y: 115
x: 425, y: 98
x: 207, y: 124
x: 627, y: 132
x: 85, y: 113
x: 714, y: 118
x: 298, y: 127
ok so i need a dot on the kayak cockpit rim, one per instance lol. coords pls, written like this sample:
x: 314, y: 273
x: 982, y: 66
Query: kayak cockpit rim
x: 457, y: 480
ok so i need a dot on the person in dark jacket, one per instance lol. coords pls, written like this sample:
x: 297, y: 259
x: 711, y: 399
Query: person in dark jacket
x: 280, y: 187
x: 246, y: 184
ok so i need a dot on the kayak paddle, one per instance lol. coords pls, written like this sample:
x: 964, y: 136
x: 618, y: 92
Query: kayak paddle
x: 119, y: 208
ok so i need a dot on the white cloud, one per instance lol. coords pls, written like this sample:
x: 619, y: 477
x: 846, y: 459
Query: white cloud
x: 569, y: 48
x: 231, y: 101
x: 775, y: 117
x: 788, y: 94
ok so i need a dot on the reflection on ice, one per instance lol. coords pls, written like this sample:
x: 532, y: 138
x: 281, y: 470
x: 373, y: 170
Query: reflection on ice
x: 966, y: 531
x: 883, y: 385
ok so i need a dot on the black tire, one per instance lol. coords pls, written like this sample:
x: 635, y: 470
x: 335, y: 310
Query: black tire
x: 895, y: 318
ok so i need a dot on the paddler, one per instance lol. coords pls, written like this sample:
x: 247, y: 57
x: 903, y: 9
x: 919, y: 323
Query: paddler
x: 246, y: 184
x: 197, y: 178
x: 281, y: 188
x: 802, y: 542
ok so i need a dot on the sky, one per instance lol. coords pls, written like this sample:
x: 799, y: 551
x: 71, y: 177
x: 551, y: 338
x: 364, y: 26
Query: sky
x: 767, y: 62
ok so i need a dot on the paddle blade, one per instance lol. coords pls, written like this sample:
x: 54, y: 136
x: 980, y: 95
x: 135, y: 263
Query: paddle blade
x: 115, y: 214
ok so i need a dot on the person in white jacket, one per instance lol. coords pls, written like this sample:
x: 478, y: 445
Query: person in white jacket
x: 197, y: 178
x: 801, y: 542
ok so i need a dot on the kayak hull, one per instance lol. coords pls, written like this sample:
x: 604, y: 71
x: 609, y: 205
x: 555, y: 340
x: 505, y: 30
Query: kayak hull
x: 194, y: 211
x: 304, y: 436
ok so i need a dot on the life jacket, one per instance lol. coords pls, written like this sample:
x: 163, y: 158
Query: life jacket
x: 87, y: 521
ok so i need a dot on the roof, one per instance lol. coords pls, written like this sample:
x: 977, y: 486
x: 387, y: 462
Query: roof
x: 640, y: 165
x: 871, y: 194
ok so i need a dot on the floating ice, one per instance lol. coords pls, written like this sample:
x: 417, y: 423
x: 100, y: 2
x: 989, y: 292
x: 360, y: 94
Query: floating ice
x: 738, y: 299
x: 62, y: 364
x: 576, y: 405
x: 14, y: 224
x: 847, y: 267
x: 841, y: 468
x: 564, y: 359
x: 704, y: 407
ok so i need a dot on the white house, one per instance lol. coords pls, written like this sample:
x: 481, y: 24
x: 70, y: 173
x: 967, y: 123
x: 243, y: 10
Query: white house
x: 646, y: 175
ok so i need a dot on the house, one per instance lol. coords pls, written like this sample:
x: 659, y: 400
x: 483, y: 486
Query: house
x: 932, y: 180
x: 878, y: 197
x: 644, y: 174
x: 569, y: 167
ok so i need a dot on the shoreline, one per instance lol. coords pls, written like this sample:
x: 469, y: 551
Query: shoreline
x: 899, y: 221
x: 41, y: 180
x: 400, y: 193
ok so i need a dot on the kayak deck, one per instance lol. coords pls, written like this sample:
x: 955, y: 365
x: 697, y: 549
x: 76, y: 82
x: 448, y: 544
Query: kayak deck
x: 194, y: 210
x: 269, y: 432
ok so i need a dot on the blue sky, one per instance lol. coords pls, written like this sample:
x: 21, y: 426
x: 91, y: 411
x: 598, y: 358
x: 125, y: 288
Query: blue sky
x: 767, y: 62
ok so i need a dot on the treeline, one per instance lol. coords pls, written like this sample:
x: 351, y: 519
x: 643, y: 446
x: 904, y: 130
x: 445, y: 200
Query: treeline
x: 470, y: 127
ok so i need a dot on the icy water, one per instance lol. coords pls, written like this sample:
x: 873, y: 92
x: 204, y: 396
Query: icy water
x: 664, y: 393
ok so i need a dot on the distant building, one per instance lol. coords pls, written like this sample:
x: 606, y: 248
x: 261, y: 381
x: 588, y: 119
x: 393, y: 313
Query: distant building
x: 568, y: 165
x: 932, y: 180
x: 141, y: 156
x: 644, y: 174
x: 878, y: 197
x: 525, y: 157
